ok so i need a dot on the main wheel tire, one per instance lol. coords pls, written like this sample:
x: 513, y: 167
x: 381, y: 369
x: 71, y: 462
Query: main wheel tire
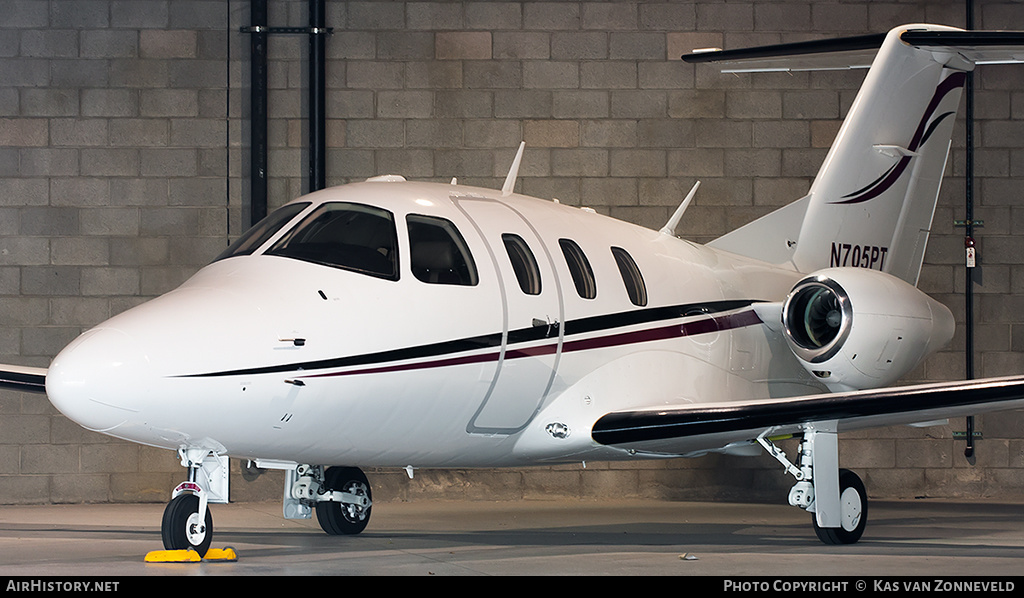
x: 853, y: 512
x: 181, y: 528
x: 344, y: 519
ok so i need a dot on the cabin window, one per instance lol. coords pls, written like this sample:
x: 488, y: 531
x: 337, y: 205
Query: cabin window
x: 631, y: 276
x: 261, y: 232
x: 579, y: 268
x: 523, y: 263
x: 350, y: 236
x: 439, y: 254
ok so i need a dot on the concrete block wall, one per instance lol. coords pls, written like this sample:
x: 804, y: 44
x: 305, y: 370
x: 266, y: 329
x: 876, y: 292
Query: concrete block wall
x: 113, y: 189
x: 123, y: 169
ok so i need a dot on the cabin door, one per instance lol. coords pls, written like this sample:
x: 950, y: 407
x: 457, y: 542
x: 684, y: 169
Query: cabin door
x: 532, y: 314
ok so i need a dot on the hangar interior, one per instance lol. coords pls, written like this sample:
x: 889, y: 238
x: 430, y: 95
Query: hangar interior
x: 130, y: 156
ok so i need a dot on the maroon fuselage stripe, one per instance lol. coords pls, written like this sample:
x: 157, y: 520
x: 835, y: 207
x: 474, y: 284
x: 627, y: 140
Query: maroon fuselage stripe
x: 705, y: 326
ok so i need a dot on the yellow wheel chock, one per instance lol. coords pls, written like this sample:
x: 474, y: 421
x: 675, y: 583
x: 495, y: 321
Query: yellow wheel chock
x: 226, y: 554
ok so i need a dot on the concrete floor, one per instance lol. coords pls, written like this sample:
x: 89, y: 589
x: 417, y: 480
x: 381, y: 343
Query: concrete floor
x: 637, y: 537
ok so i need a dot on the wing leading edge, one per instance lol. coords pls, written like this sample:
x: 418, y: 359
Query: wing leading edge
x: 25, y: 379
x: 672, y: 430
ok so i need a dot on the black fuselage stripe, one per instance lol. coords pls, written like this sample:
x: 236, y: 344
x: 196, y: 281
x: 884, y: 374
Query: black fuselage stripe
x: 702, y: 326
x: 490, y: 341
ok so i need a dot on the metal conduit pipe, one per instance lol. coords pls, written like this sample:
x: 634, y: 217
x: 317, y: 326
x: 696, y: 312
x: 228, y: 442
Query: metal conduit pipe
x: 969, y: 240
x: 317, y: 96
x: 259, y: 33
x: 258, y: 111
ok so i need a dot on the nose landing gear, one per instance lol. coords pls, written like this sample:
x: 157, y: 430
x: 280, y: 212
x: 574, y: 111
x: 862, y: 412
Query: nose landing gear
x: 183, y: 527
x: 187, y: 523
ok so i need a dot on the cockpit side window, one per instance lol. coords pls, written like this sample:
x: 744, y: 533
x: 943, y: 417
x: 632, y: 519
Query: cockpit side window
x: 579, y: 268
x: 631, y: 277
x: 345, y: 235
x: 438, y: 253
x: 523, y: 263
x: 256, y: 236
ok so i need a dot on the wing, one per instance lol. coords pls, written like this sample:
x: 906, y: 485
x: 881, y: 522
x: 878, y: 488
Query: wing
x: 25, y: 379
x: 674, y: 430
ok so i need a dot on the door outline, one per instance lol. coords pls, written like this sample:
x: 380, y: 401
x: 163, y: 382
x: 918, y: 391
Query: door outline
x: 495, y: 248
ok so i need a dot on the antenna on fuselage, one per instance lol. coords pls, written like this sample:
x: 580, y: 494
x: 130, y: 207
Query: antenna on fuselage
x: 513, y: 172
x: 670, y: 226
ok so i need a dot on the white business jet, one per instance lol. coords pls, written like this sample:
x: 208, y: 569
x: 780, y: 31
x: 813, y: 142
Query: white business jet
x: 391, y: 323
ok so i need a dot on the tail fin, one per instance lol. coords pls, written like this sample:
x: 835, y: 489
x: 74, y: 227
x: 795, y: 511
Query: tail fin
x: 872, y: 202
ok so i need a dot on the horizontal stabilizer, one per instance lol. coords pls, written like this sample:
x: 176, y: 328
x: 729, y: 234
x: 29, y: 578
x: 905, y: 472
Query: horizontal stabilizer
x: 978, y: 47
x: 826, y: 54
x: 975, y: 47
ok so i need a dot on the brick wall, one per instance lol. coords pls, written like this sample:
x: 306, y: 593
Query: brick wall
x: 123, y: 169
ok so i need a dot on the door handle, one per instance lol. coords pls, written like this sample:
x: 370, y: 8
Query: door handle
x: 552, y: 326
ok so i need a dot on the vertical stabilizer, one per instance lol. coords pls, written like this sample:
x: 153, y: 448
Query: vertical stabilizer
x: 873, y: 199
x: 872, y: 202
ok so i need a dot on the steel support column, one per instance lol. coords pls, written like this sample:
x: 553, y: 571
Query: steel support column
x: 258, y: 111
x: 317, y: 96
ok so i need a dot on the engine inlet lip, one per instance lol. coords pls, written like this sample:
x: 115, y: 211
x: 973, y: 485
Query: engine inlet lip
x: 827, y: 351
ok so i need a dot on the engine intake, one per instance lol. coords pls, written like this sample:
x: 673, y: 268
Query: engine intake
x: 854, y: 328
x: 817, y: 319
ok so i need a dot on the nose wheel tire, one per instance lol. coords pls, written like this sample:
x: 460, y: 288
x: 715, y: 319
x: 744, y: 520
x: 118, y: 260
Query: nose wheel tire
x: 853, y: 507
x: 182, y: 529
x: 337, y: 518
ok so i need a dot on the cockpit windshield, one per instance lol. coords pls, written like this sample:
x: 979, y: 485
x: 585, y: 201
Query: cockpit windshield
x: 344, y: 235
x: 256, y: 236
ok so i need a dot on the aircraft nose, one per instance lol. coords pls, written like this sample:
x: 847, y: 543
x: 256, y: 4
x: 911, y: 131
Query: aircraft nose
x: 95, y: 381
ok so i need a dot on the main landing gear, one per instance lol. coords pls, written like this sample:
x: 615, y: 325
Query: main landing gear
x: 853, y: 512
x: 340, y: 496
x: 835, y: 497
x: 350, y: 513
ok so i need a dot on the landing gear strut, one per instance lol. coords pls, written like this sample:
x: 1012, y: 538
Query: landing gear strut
x: 340, y: 495
x: 835, y: 497
x: 184, y: 528
x: 351, y: 517
x: 187, y: 522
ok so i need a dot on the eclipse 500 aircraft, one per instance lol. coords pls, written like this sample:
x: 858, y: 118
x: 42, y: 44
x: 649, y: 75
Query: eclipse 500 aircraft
x: 391, y: 323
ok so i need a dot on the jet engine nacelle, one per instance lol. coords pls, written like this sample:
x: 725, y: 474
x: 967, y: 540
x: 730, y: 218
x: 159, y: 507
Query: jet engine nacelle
x: 855, y: 329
